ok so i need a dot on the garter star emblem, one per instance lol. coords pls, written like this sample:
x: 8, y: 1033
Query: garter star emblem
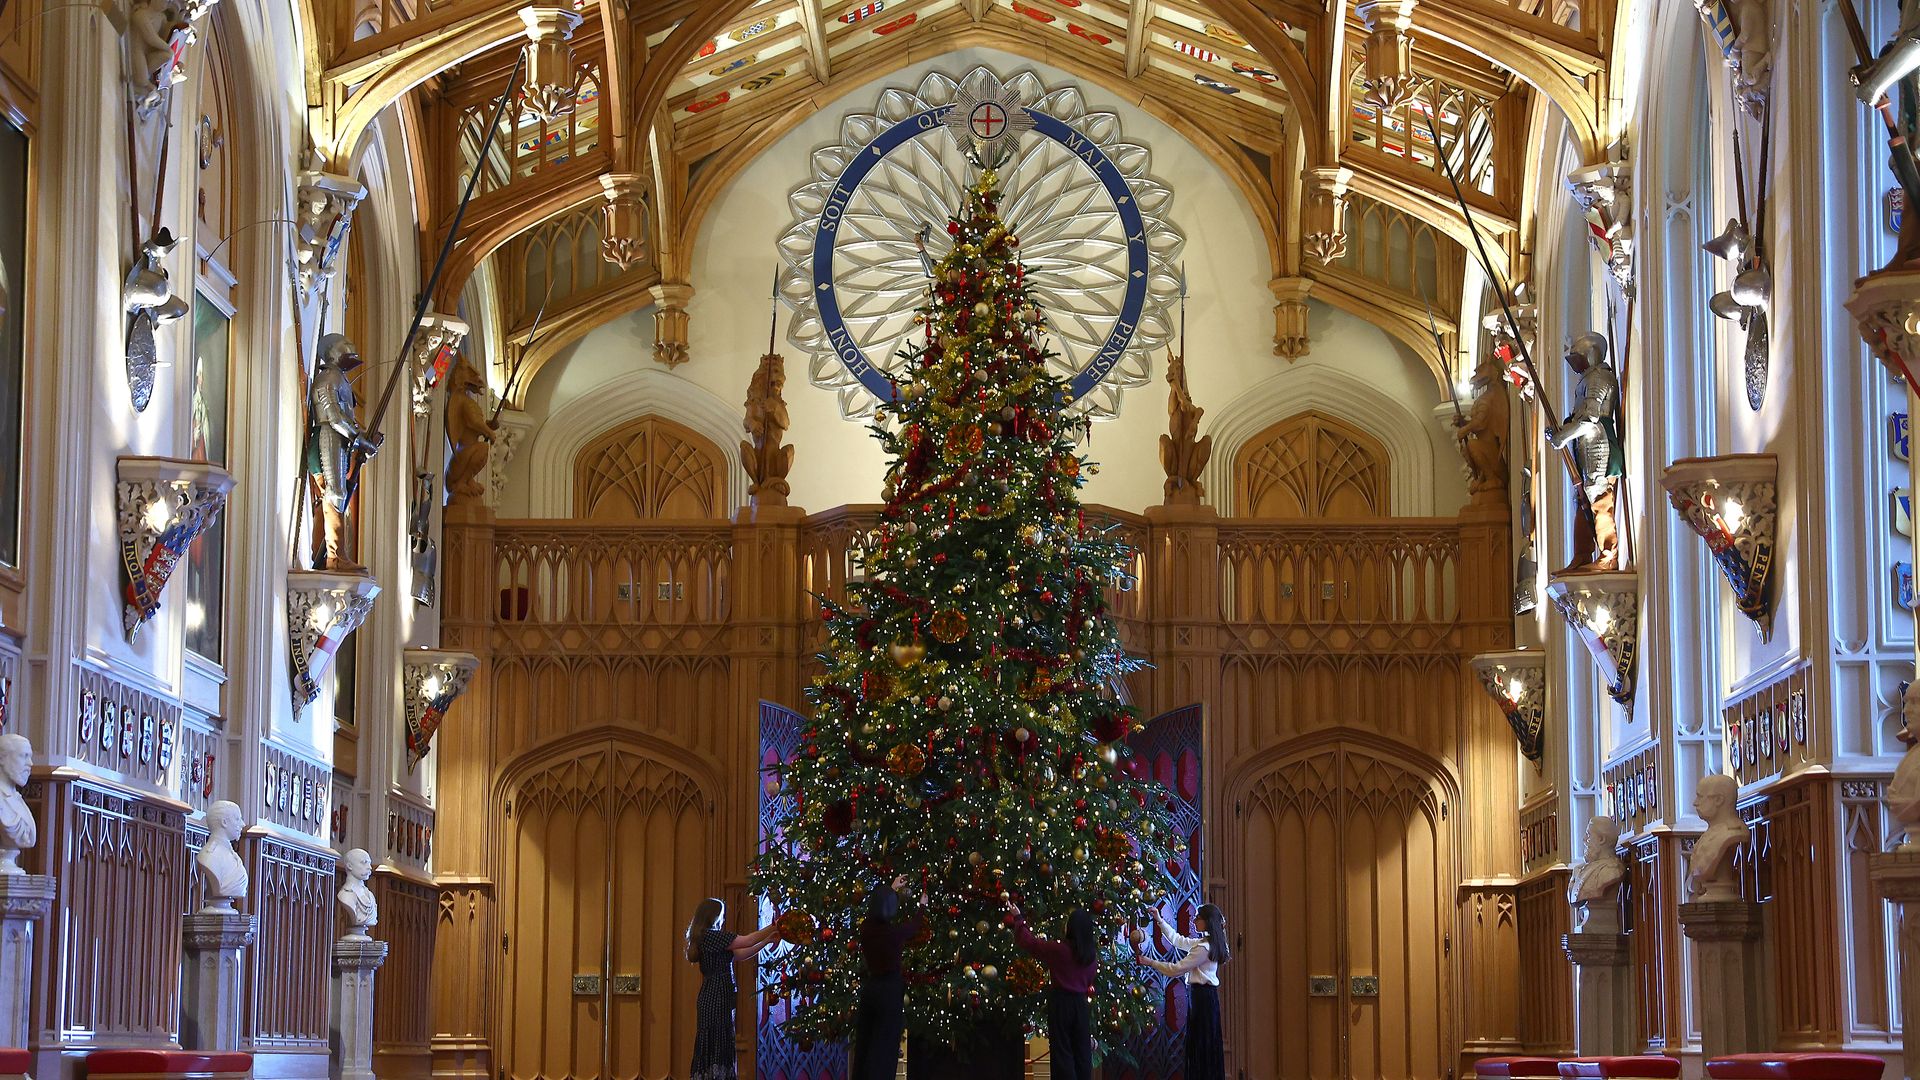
x: 1098, y: 249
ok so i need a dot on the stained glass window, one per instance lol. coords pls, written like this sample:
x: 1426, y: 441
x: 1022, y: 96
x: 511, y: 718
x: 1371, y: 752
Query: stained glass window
x: 212, y: 333
x: 13, y: 310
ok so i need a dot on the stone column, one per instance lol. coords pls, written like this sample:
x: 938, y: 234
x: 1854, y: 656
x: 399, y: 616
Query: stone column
x: 25, y: 899
x: 355, y: 958
x: 1727, y: 974
x: 1601, y: 1013
x: 1896, y: 876
x: 210, y: 979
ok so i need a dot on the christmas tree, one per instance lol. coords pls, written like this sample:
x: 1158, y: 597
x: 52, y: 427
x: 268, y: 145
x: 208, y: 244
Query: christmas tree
x: 965, y: 733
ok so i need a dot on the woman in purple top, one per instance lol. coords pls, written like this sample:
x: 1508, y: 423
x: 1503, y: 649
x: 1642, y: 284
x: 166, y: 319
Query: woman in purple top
x: 880, y: 1018
x: 1072, y: 963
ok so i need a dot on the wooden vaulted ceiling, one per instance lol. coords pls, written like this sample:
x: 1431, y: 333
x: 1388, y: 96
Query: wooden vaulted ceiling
x: 682, y: 94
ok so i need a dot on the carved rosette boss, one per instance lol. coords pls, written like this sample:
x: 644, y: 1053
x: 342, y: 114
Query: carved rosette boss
x: 551, y: 83
x: 434, y: 348
x: 323, y: 215
x: 1731, y: 502
x: 1325, y: 213
x: 432, y: 679
x: 623, y: 224
x: 1517, y: 682
x: 323, y: 607
x: 1604, y: 610
x: 164, y: 505
x: 1390, y: 81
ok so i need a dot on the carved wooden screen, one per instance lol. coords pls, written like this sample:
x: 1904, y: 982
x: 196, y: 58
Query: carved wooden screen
x: 607, y: 855
x: 648, y: 468
x: 778, y: 1057
x: 1347, y: 914
x: 1311, y: 466
x: 1169, y: 750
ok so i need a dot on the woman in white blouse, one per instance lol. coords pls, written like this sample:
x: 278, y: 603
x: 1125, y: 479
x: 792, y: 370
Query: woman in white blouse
x: 1200, y: 967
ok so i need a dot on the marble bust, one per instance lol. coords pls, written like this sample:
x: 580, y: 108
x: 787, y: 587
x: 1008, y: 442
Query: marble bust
x: 1594, y: 888
x: 1710, y: 875
x: 354, y: 896
x: 223, y: 875
x: 1903, y: 791
x: 17, y: 828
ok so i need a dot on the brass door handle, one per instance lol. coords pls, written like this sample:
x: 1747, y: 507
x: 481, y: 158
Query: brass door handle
x: 626, y: 985
x: 1323, y: 986
x: 1364, y: 986
x: 586, y: 985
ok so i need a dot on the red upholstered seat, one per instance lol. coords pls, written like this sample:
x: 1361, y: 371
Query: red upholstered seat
x: 1813, y: 1066
x: 1514, y: 1068
x: 1635, y: 1067
x: 167, y: 1063
x: 14, y: 1061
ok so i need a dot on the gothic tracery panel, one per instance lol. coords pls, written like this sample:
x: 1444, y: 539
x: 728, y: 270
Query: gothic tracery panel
x: 648, y: 468
x: 1312, y: 466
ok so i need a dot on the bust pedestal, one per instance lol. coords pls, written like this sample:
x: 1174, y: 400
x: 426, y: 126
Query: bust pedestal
x: 1723, y: 934
x: 210, y: 978
x: 1598, y: 951
x: 355, y: 958
x: 25, y: 899
x: 1896, y: 877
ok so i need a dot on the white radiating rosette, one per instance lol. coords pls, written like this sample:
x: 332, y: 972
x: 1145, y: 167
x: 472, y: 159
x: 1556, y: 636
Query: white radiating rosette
x: 1072, y: 239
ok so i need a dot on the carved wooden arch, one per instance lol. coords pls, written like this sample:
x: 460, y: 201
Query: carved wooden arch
x: 654, y: 466
x: 1262, y: 34
x: 1247, y: 773
x: 1565, y: 85
x: 1361, y: 465
x: 387, y: 82
x: 1391, y: 314
x: 540, y: 758
x: 717, y: 175
x: 519, y: 217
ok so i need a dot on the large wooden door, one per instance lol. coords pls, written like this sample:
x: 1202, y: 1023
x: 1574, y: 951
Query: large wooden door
x: 1347, y: 917
x: 605, y: 859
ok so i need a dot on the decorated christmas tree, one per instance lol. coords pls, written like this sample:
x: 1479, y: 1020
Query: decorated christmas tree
x: 964, y: 732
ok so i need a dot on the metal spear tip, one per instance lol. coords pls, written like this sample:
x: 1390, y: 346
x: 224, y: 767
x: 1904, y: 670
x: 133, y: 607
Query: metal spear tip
x: 1731, y: 244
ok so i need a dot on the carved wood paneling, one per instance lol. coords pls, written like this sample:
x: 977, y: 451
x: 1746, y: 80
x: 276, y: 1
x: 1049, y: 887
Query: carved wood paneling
x: 1312, y: 466
x: 402, y: 1013
x: 1792, y: 866
x: 1337, y: 589
x: 1546, y: 976
x: 109, y: 955
x: 294, y: 793
x: 1634, y: 796
x: 646, y: 469
x: 465, y: 975
x: 1540, y: 833
x: 1652, y: 919
x: 1867, y: 940
x: 289, y: 964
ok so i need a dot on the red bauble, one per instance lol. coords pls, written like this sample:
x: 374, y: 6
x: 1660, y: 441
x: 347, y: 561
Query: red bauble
x: 839, y: 817
x: 1108, y: 726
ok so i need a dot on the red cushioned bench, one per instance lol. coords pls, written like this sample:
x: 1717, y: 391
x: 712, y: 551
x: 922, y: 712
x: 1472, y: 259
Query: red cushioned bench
x: 168, y: 1065
x: 1516, y: 1068
x: 1631, y: 1067
x: 14, y: 1062
x: 1811, y: 1066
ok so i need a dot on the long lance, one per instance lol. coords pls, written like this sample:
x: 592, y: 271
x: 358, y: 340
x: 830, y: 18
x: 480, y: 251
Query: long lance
x: 1446, y: 366
x: 1499, y: 288
x: 520, y: 364
x: 400, y: 365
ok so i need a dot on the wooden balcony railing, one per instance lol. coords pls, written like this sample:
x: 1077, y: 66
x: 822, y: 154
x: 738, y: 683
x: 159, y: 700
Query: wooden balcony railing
x: 585, y: 585
x: 1309, y: 586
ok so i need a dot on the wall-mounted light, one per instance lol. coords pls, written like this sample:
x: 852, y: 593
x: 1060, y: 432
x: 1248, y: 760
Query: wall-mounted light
x: 1604, y: 610
x: 1731, y: 503
x: 1517, y: 682
x: 164, y: 505
x: 323, y: 607
x: 431, y: 679
x: 551, y: 82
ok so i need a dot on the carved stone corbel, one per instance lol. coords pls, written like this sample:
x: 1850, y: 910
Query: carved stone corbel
x: 323, y: 607
x: 670, y: 322
x: 623, y: 232
x: 1604, y: 610
x: 1605, y: 192
x: 1290, y: 336
x: 551, y: 82
x: 1390, y: 81
x: 1744, y: 31
x: 324, y: 213
x: 1517, y: 682
x: 431, y: 679
x: 434, y: 348
x: 164, y: 506
x: 1731, y: 503
x: 1324, y: 205
x: 1886, y: 304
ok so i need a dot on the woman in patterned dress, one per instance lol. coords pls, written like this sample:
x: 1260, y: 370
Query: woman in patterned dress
x: 716, y: 951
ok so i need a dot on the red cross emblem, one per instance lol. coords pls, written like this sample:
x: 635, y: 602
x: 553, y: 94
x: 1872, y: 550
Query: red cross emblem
x: 987, y: 120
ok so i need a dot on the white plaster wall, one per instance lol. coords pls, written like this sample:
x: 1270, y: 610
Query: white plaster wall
x: 1229, y: 329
